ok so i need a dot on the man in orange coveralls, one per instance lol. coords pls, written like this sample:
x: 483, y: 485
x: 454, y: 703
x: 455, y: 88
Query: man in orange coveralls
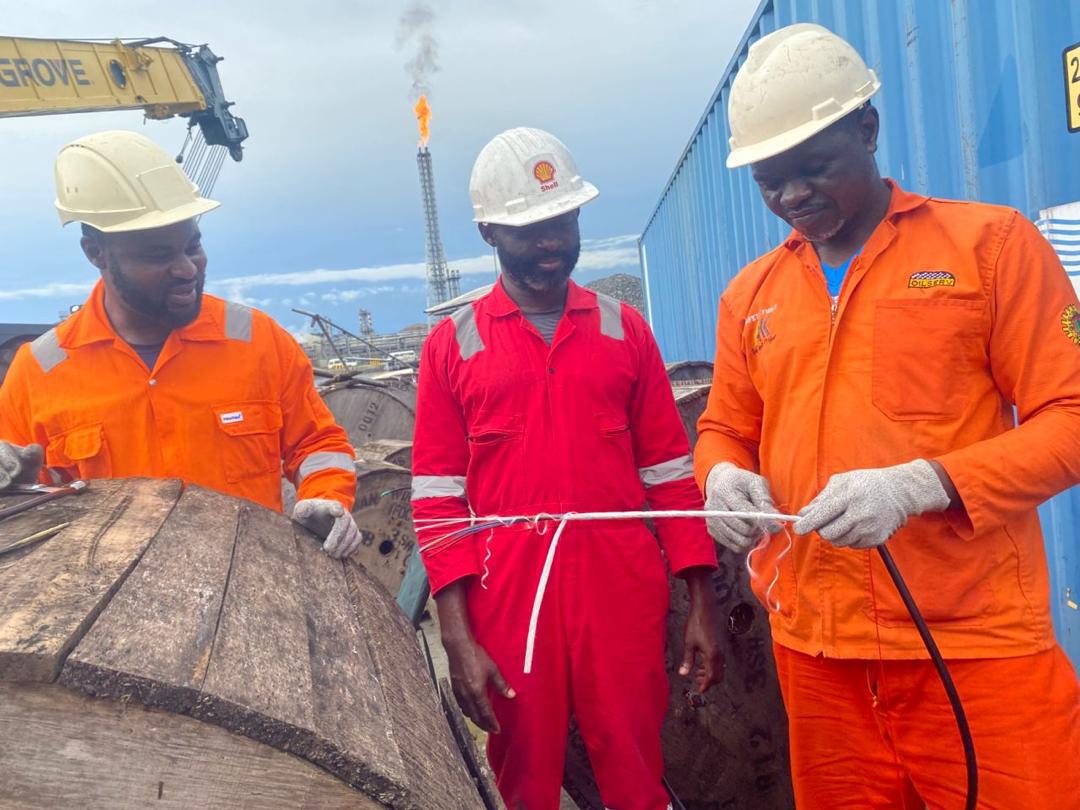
x: 545, y: 397
x: 153, y: 378
x: 866, y: 373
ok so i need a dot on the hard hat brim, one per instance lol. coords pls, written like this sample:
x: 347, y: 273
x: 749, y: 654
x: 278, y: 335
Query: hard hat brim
x: 778, y: 144
x: 145, y: 222
x: 569, y: 202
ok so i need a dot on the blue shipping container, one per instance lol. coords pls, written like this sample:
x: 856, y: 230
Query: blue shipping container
x: 977, y: 102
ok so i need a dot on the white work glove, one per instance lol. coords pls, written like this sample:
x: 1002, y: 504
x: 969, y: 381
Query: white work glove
x: 864, y: 508
x: 330, y: 521
x: 733, y: 489
x: 19, y: 465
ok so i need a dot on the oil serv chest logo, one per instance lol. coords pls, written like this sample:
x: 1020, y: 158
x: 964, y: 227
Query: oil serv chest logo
x: 1072, y: 86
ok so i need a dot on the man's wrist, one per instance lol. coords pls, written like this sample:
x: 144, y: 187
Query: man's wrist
x: 457, y: 640
x: 454, y: 627
x: 715, y: 472
x: 919, y: 487
x: 698, y: 581
x: 946, y: 484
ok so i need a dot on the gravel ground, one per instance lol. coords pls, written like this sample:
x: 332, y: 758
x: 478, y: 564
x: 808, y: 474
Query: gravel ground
x: 622, y: 286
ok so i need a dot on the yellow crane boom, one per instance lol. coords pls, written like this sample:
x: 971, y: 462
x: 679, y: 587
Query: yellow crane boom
x: 51, y: 76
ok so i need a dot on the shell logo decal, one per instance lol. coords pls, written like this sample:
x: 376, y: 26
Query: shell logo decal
x: 544, y: 171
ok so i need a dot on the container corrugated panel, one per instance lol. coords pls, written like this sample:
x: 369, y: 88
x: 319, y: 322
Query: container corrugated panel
x: 973, y: 106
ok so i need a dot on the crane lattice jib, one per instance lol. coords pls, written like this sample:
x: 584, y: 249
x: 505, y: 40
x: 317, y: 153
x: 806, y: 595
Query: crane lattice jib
x: 52, y: 76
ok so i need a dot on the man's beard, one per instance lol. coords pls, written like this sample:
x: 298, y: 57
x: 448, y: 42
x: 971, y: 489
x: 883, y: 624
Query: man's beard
x: 527, y: 274
x: 159, y: 309
x: 823, y: 234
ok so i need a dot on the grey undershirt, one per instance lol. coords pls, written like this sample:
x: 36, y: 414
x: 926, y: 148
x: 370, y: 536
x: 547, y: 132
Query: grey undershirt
x: 149, y: 354
x: 545, y: 322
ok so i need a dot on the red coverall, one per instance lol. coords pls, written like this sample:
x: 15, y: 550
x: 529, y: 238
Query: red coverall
x: 508, y: 425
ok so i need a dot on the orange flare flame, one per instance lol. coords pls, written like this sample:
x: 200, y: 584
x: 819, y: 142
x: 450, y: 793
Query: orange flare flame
x: 423, y: 116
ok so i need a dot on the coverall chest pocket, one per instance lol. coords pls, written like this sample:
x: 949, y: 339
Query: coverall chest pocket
x: 613, y: 431
x: 494, y: 434
x: 926, y: 354
x: 496, y: 453
x: 82, y: 451
x: 249, y: 443
x: 613, y: 459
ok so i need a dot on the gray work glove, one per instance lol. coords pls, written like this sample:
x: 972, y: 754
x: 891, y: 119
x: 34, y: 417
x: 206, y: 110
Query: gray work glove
x: 330, y: 521
x: 733, y: 489
x: 19, y: 465
x: 864, y: 508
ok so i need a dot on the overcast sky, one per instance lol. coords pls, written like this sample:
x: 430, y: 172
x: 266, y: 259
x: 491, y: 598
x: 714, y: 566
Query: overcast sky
x: 324, y: 210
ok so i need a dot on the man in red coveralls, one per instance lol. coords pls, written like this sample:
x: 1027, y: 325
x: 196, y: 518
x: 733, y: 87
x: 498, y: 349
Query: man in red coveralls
x: 545, y: 397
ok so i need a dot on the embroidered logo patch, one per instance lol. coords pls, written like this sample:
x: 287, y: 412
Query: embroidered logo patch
x: 931, y: 278
x: 1070, y: 323
x: 762, y: 333
x: 232, y: 416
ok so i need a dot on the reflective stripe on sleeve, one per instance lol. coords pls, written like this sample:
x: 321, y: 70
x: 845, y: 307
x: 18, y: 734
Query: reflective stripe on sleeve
x: 610, y: 317
x: 46, y: 350
x: 237, y: 321
x: 438, y: 486
x: 468, y: 335
x: 324, y: 461
x: 674, y: 470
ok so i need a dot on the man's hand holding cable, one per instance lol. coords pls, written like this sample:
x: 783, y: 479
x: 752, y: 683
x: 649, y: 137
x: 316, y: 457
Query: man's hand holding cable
x: 701, y: 633
x: 331, y: 521
x: 471, y: 669
x: 732, y: 489
x: 19, y: 465
x: 864, y: 508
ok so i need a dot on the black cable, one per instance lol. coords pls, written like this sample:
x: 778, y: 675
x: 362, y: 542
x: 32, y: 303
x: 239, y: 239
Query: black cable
x: 675, y: 803
x: 943, y: 673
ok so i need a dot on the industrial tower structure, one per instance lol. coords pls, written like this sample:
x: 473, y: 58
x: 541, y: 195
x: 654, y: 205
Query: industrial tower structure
x: 442, y: 282
x: 367, y: 323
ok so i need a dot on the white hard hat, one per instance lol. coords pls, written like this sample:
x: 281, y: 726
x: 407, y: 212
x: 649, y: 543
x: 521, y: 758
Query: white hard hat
x: 795, y: 83
x: 122, y: 181
x: 526, y: 175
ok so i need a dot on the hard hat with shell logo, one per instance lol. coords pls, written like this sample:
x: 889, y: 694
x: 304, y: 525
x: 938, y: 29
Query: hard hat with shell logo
x: 526, y: 175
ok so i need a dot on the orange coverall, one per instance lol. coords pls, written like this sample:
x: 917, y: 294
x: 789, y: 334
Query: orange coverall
x: 952, y: 313
x: 229, y: 403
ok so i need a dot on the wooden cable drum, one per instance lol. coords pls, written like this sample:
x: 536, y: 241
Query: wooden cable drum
x: 728, y: 748
x: 187, y: 649
x: 698, y: 372
x: 369, y: 413
x: 405, y: 390
x: 690, y: 400
x: 383, y: 513
x: 396, y: 451
x: 7, y: 352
